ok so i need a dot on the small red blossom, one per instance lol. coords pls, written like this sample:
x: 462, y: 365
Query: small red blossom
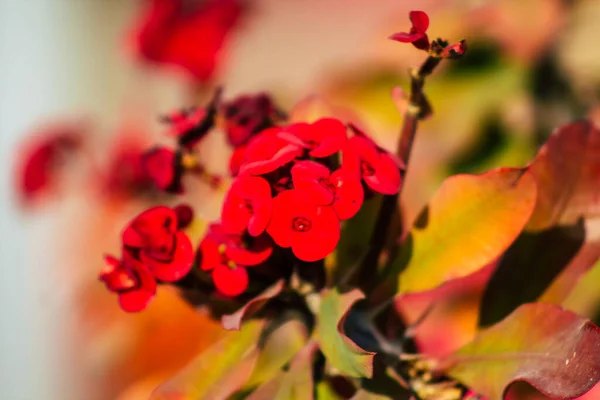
x: 247, y: 115
x: 189, y: 35
x: 322, y: 138
x: 154, y: 238
x: 379, y: 169
x: 164, y: 167
x: 125, y: 173
x: 417, y: 34
x: 266, y: 152
x: 247, y: 206
x: 131, y: 280
x: 227, y: 257
x: 40, y: 161
x: 312, y: 231
x: 318, y: 185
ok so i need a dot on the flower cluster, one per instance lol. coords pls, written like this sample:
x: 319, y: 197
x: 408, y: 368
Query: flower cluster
x: 294, y: 185
x: 297, y: 182
x: 154, y: 248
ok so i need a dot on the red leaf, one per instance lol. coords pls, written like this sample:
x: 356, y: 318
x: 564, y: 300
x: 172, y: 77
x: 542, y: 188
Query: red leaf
x: 554, y: 350
x: 567, y: 172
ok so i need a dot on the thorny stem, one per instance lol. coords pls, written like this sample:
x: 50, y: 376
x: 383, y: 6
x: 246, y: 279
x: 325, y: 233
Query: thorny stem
x: 418, y: 109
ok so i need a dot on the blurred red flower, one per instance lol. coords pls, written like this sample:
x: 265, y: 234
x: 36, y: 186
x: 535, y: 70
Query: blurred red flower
x: 164, y: 167
x: 154, y: 239
x: 184, y: 33
x: 131, y: 280
x: 266, y: 152
x: 321, y: 138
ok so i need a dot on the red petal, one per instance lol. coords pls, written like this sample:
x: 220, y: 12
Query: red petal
x: 387, y: 178
x: 406, y: 37
x: 210, y: 255
x: 420, y: 20
x: 135, y: 300
x: 307, y: 176
x: 349, y: 194
x: 178, y: 266
x: 321, y: 240
x: 230, y: 281
x: 283, y: 156
x: 331, y: 133
x: 235, y: 215
x: 259, y: 252
x: 280, y: 227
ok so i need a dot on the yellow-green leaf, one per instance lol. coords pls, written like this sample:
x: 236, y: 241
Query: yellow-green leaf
x: 218, y: 371
x: 341, y: 351
x: 468, y: 223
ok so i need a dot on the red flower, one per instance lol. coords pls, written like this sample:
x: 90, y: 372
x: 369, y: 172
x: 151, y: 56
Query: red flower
x: 132, y: 281
x: 379, y: 170
x: 318, y: 185
x: 417, y: 34
x: 227, y: 257
x: 322, y: 138
x: 125, y: 173
x: 164, y: 167
x: 311, y: 231
x: 247, y: 206
x: 40, y: 161
x: 266, y: 152
x: 247, y: 115
x: 153, y: 237
x: 186, y: 34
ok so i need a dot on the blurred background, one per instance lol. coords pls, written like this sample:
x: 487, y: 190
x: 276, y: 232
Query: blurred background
x: 84, y: 67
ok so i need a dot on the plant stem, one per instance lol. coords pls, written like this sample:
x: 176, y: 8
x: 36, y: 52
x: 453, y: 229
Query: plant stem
x: 418, y: 109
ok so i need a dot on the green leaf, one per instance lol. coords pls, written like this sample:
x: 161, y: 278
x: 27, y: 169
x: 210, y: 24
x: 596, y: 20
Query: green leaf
x: 340, y: 351
x: 566, y: 171
x: 234, y: 321
x: 218, y: 371
x: 293, y: 384
x: 469, y: 222
x: 553, y: 350
x: 280, y: 346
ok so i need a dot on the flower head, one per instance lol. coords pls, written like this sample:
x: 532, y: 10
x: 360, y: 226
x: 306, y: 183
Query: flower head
x: 247, y: 206
x: 236, y: 160
x: 186, y: 35
x: 266, y: 152
x: 379, y: 170
x: 247, y: 115
x: 312, y: 231
x: 164, y: 167
x: 131, y: 280
x: 321, y: 138
x: 227, y: 257
x: 154, y: 239
x: 318, y: 185
x: 417, y: 34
